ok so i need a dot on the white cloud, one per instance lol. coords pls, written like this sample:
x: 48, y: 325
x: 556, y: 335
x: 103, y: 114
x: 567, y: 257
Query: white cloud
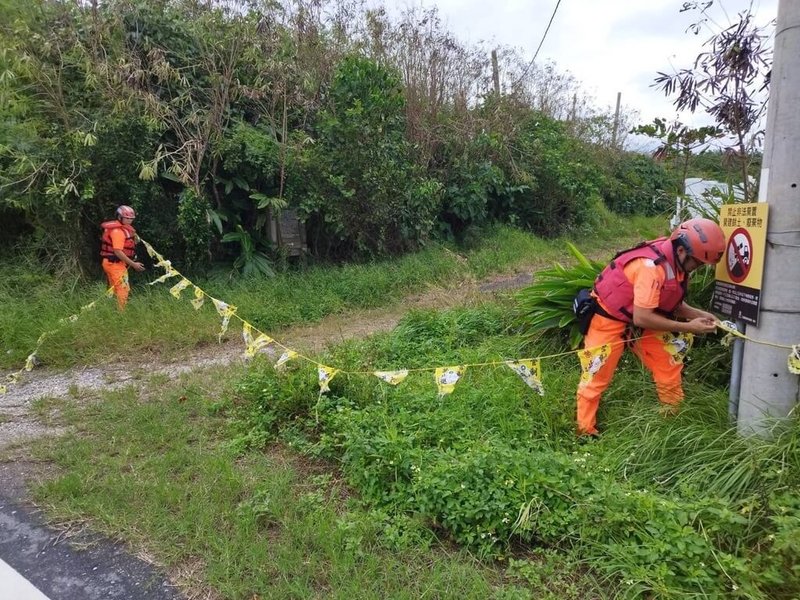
x: 610, y: 46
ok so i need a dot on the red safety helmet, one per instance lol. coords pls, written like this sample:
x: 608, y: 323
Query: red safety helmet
x: 125, y: 212
x: 702, y: 238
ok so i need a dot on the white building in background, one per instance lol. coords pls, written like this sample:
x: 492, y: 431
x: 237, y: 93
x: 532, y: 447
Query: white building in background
x: 702, y: 198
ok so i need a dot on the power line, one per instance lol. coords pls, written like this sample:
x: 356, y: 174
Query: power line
x: 535, y: 54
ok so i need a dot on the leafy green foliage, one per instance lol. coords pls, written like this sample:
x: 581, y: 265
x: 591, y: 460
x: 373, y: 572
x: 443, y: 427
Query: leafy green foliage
x: 562, y: 183
x: 638, y: 185
x: 256, y: 112
x: 364, y: 195
x: 251, y: 261
x: 547, y: 303
x: 668, y: 508
x: 193, y: 223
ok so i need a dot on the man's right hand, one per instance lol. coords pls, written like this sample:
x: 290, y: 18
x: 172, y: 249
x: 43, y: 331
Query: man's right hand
x: 701, y: 325
x: 138, y: 266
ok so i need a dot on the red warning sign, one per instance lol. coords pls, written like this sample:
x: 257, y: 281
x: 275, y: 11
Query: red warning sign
x: 739, y: 255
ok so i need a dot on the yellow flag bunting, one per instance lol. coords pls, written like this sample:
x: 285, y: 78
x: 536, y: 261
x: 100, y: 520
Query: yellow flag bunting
x: 392, y: 377
x: 677, y: 345
x: 794, y: 360
x: 592, y: 359
x: 530, y: 371
x: 446, y: 378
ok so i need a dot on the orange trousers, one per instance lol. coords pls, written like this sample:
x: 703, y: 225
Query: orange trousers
x: 650, y: 349
x: 117, y: 274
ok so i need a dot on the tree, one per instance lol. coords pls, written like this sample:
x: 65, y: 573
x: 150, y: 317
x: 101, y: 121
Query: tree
x: 729, y: 81
x: 678, y: 143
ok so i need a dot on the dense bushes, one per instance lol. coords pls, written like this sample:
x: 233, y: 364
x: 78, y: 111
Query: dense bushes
x: 199, y: 116
x: 530, y: 173
x: 635, y: 184
x: 562, y: 181
x: 359, y: 190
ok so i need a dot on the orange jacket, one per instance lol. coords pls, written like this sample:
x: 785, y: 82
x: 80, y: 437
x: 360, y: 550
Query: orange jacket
x: 107, y: 246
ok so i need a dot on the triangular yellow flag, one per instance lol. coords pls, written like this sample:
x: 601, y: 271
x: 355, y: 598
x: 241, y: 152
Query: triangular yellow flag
x: 253, y: 344
x: 591, y: 361
x: 447, y: 377
x: 176, y: 289
x: 285, y: 358
x: 530, y: 371
x: 170, y: 273
x: 262, y: 341
x: 794, y: 360
x: 3, y: 389
x: 392, y: 377
x: 677, y: 345
x: 247, y: 333
x: 199, y: 298
x: 152, y: 252
x: 30, y: 362
x: 226, y: 311
x: 326, y: 374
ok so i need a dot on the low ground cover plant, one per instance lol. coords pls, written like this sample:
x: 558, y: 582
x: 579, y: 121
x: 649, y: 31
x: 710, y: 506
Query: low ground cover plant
x: 676, y: 508
x: 680, y: 507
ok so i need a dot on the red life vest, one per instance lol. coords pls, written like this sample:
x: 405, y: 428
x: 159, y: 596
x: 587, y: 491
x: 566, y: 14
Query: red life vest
x: 107, y: 246
x: 616, y: 292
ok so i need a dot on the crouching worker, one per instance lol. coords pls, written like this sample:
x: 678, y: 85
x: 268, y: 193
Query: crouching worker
x: 644, y: 287
x: 118, y: 251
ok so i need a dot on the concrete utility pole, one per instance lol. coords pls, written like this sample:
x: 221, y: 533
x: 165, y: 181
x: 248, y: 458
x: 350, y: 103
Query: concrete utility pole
x: 495, y: 73
x: 768, y: 390
x: 616, y: 122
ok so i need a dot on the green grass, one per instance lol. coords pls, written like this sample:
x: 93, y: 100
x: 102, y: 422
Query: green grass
x: 33, y: 302
x: 157, y: 468
x: 678, y: 507
x: 340, y: 494
x: 374, y: 491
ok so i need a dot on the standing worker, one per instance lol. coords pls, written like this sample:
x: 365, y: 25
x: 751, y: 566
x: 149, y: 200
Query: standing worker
x: 118, y: 250
x: 644, y: 287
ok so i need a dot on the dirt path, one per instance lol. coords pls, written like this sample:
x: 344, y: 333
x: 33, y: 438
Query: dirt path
x: 19, y: 423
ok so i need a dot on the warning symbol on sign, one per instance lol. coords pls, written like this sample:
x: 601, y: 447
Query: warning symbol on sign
x: 739, y: 254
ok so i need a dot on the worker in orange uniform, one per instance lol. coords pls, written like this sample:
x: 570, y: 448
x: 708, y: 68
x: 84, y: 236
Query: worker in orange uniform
x: 118, y: 251
x: 645, y: 287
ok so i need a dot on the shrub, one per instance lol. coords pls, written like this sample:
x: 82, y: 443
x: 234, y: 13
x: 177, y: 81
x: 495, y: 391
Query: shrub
x: 194, y: 226
x: 636, y: 184
x: 359, y: 191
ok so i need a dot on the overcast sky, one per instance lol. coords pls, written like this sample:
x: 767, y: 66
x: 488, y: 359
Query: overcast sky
x: 609, y: 45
